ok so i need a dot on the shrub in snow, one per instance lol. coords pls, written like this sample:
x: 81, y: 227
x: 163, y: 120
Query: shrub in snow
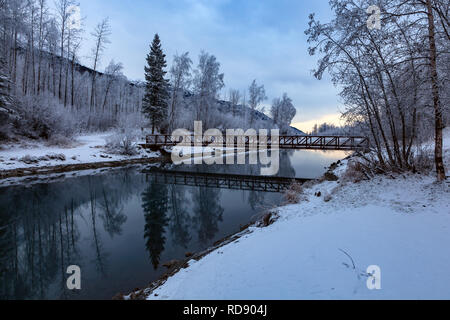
x: 29, y: 159
x: 330, y: 176
x: 123, y: 143
x: 355, y: 172
x: 59, y: 140
x: 4, y: 129
x: 4, y: 123
x: 44, y: 158
x: 54, y: 156
x: 294, y: 194
x: 44, y: 117
x: 327, y: 197
x: 423, y: 160
x: 267, y: 219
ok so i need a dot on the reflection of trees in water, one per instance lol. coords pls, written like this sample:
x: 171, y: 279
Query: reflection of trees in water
x: 255, y: 198
x: 286, y: 169
x: 165, y: 206
x: 207, y: 212
x: 180, y: 220
x: 155, y: 205
x: 112, y: 215
x: 39, y: 235
x: 285, y: 166
x: 8, y: 246
x: 100, y: 255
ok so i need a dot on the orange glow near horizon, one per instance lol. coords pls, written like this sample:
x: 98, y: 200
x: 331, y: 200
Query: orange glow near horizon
x: 307, y: 126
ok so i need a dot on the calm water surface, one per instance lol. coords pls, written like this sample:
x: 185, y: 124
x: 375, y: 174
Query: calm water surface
x: 120, y: 227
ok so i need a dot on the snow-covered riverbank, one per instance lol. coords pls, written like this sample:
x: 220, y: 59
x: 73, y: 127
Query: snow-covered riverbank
x: 401, y: 225
x: 321, y: 249
x: 86, y: 149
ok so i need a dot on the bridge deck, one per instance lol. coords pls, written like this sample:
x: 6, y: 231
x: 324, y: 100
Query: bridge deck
x: 284, y: 142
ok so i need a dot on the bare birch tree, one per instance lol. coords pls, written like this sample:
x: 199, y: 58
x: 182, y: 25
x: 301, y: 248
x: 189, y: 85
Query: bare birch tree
x: 101, y: 35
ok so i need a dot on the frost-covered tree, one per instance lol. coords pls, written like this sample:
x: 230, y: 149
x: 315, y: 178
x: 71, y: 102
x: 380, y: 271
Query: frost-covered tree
x: 5, y: 100
x: 257, y: 94
x: 393, y: 80
x: 63, y: 15
x: 101, y: 35
x: 155, y: 102
x: 283, y: 111
x: 180, y: 81
x: 41, y: 52
x: 113, y: 72
x: 207, y: 82
x: 235, y: 98
x: 5, y: 84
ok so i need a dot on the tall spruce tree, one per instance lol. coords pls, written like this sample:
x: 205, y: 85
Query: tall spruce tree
x: 155, y: 102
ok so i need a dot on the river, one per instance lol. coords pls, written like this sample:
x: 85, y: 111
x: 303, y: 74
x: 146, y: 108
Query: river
x: 120, y: 226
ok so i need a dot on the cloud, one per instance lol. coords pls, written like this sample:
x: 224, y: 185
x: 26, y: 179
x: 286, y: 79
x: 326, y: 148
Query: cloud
x: 252, y: 39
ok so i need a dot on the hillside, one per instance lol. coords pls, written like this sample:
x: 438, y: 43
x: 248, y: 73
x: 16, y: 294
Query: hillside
x: 231, y: 117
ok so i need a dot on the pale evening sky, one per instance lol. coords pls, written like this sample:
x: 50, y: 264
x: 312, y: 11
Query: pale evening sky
x: 252, y: 39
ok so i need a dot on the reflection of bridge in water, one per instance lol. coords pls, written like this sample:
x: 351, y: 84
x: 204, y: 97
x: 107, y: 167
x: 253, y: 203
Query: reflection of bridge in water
x: 284, y: 142
x: 222, y: 181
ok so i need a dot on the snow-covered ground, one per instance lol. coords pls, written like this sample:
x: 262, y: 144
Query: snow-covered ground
x: 321, y: 250
x: 86, y: 149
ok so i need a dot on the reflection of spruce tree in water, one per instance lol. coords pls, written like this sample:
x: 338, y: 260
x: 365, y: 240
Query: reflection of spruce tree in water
x: 154, y: 203
x: 208, y: 212
x: 179, y: 217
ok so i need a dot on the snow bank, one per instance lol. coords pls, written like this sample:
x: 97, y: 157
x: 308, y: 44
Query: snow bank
x: 401, y: 225
x: 87, y: 149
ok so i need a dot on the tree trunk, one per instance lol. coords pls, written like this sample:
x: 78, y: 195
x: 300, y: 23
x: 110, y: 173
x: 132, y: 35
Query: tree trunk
x: 439, y: 125
x: 72, y: 90
x: 41, y: 19
x: 61, y: 60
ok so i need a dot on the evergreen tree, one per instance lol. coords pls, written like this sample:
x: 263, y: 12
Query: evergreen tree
x: 155, y: 102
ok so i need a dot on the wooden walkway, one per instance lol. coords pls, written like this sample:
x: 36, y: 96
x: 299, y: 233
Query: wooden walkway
x: 284, y: 142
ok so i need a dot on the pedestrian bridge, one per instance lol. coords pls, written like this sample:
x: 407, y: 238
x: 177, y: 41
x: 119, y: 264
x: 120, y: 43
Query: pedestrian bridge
x: 156, y: 141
